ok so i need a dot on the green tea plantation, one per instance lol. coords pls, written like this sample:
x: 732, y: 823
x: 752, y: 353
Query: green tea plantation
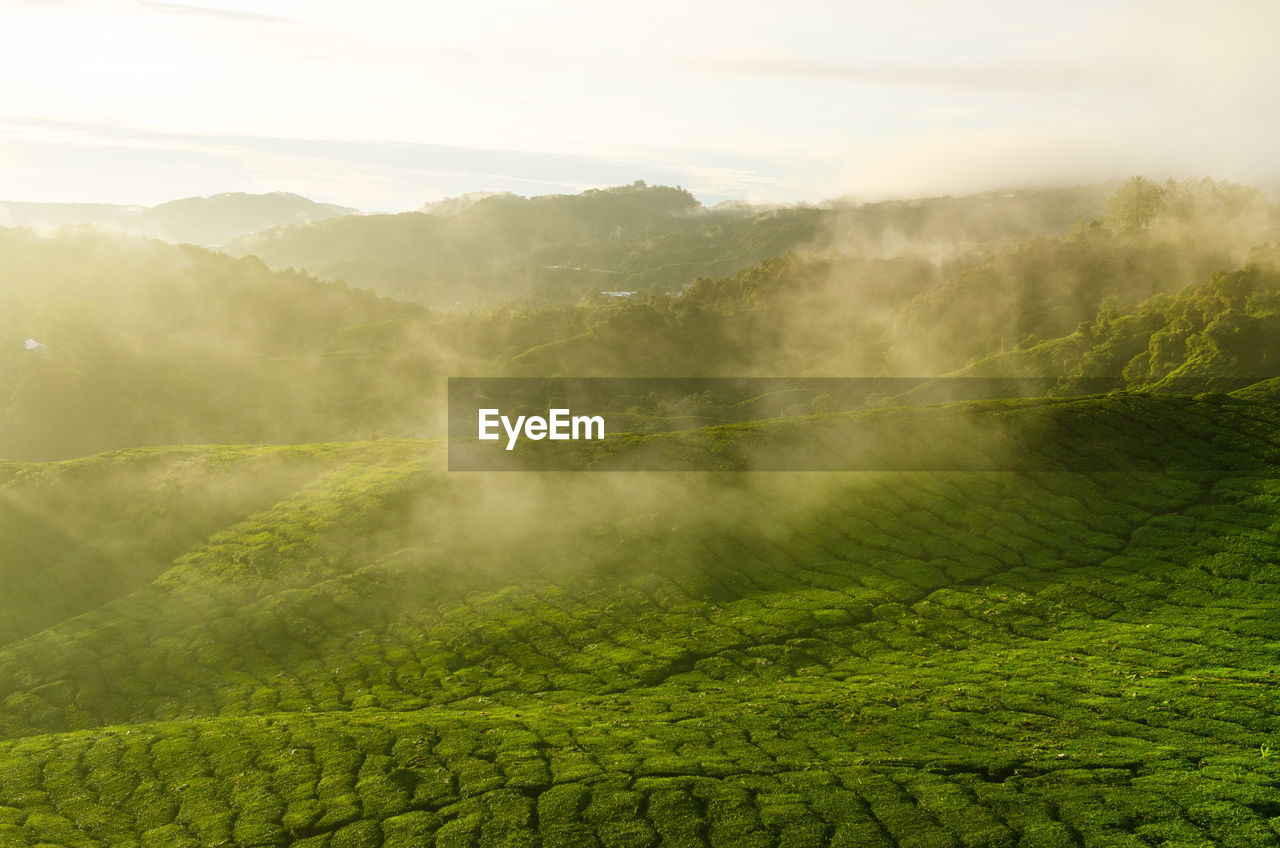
x: 345, y: 646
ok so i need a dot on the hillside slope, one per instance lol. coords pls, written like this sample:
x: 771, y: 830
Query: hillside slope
x: 111, y: 342
x: 477, y: 251
x: 147, y: 343
x: 378, y: 653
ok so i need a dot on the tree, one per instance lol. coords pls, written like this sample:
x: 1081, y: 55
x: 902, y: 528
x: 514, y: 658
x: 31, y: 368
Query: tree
x: 1134, y: 205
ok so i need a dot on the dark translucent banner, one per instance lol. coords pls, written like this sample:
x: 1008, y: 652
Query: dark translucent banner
x: 856, y: 424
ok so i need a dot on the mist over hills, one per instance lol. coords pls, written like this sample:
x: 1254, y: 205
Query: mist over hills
x: 336, y: 645
x: 243, y: 602
x: 734, y: 425
x: 486, y: 248
x: 147, y: 343
x: 214, y: 220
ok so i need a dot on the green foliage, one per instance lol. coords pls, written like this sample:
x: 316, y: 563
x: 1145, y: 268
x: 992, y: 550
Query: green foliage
x: 82, y: 532
x: 951, y: 658
x: 473, y: 251
x: 1226, y: 328
x: 1135, y: 204
x: 152, y: 344
x: 338, y: 644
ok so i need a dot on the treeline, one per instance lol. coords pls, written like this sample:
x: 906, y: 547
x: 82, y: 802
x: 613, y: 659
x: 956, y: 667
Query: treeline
x: 477, y: 251
x: 146, y: 343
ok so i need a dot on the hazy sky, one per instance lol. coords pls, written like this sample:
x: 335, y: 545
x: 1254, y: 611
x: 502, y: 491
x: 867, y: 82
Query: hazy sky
x: 386, y: 105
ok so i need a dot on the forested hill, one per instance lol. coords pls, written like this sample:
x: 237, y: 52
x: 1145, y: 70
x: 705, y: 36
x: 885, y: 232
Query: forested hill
x: 141, y: 342
x: 145, y: 343
x: 915, y: 315
x: 479, y: 250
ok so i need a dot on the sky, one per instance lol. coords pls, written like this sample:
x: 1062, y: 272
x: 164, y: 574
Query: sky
x: 385, y: 106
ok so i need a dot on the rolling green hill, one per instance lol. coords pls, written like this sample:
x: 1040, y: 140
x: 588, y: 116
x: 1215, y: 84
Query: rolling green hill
x: 477, y: 251
x: 267, y: 616
x: 369, y: 651
x: 146, y: 343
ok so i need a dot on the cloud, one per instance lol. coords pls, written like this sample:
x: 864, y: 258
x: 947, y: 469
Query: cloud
x: 105, y: 163
x: 878, y: 100
x: 233, y: 15
x: 1018, y: 74
x: 1169, y: 90
x: 735, y: 183
x: 1015, y: 155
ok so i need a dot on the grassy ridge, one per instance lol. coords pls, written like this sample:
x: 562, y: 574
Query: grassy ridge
x: 82, y: 532
x: 378, y: 653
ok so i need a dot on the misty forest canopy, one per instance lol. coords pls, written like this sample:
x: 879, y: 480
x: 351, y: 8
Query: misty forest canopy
x: 483, y: 249
x: 150, y: 343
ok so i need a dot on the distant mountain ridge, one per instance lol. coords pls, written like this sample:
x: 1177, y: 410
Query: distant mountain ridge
x: 483, y: 248
x: 210, y: 221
